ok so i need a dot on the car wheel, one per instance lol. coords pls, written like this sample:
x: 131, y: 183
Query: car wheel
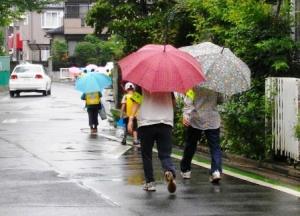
x: 49, y: 92
x: 11, y: 93
x: 45, y: 93
x: 18, y: 94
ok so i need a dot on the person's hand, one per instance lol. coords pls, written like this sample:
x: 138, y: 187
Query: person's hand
x: 185, y: 121
x: 130, y: 125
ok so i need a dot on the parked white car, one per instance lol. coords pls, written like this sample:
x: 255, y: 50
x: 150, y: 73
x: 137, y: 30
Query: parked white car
x: 29, y: 78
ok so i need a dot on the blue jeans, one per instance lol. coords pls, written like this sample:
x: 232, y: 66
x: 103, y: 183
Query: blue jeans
x: 162, y: 134
x: 193, y: 135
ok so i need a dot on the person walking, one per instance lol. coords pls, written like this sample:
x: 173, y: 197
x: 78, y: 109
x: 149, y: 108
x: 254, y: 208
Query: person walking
x: 92, y: 104
x: 200, y: 115
x: 155, y: 122
x: 126, y: 112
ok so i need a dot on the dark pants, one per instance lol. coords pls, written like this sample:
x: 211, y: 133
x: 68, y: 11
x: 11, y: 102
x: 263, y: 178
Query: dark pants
x: 93, y: 116
x: 193, y: 135
x: 162, y: 134
x: 126, y: 120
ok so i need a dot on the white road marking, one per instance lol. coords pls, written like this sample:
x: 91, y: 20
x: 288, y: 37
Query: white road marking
x: 10, y: 121
x: 13, y: 121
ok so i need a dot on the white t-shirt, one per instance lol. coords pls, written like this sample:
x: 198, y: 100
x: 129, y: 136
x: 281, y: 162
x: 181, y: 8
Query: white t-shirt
x: 156, y: 108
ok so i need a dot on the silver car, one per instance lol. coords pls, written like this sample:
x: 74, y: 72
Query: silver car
x: 29, y: 78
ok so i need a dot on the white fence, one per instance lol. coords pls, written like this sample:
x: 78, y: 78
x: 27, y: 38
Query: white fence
x: 284, y: 95
x: 64, y: 73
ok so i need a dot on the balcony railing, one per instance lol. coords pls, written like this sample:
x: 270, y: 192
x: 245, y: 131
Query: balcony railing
x: 77, y: 11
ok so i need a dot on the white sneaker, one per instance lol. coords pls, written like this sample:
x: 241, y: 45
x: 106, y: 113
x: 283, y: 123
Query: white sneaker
x: 186, y: 175
x: 215, y: 177
x: 149, y: 186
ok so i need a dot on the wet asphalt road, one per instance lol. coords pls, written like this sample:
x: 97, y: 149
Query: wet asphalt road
x: 50, y: 165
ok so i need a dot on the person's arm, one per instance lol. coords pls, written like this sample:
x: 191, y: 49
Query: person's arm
x: 135, y: 108
x: 220, y: 99
x: 83, y: 96
x: 173, y: 100
x: 136, y: 100
x: 122, y: 110
x: 123, y: 106
x: 187, y: 110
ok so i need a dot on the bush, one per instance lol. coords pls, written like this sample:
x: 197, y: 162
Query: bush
x: 244, y: 121
x: 297, y: 129
x: 178, y: 130
x: 85, y: 51
x: 59, y: 54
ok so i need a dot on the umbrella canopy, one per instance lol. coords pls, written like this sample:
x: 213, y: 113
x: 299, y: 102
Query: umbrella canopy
x: 74, y: 71
x: 101, y: 69
x: 91, y: 67
x: 225, y: 72
x: 161, y: 68
x: 93, y: 82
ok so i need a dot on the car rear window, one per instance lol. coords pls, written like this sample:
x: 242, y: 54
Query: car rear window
x: 28, y: 68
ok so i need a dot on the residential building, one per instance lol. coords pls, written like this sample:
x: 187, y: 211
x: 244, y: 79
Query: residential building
x: 74, y: 28
x: 29, y: 39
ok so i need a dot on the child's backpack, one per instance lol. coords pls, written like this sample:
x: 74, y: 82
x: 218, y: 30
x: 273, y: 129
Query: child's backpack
x: 92, y: 98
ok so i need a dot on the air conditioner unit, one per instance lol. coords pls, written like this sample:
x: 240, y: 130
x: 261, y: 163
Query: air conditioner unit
x: 284, y: 97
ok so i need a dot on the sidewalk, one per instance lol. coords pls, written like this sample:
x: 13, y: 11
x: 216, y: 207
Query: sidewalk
x: 277, y: 174
x: 280, y: 173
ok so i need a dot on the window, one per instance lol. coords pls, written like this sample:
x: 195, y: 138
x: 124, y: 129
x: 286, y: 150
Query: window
x: 297, y: 19
x: 52, y: 19
x: 45, y: 54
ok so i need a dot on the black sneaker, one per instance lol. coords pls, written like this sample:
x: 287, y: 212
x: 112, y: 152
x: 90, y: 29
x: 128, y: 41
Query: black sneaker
x: 170, y: 181
x: 123, y: 142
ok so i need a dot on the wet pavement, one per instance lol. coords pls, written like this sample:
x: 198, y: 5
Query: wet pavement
x: 51, y: 165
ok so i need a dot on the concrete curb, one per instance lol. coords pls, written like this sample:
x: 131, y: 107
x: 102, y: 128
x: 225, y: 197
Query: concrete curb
x: 261, y: 168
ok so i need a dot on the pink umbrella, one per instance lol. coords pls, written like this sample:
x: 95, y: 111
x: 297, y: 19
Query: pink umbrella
x: 161, y: 68
x: 101, y: 69
x: 74, y: 71
x: 91, y: 66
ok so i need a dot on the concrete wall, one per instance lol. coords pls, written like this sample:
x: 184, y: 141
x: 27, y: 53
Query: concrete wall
x: 74, y: 26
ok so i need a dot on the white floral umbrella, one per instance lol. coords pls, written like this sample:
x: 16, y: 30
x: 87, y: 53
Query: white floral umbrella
x: 224, y: 71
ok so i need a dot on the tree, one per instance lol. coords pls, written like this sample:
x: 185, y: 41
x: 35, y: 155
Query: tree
x: 13, y: 9
x: 59, y: 54
x: 2, y: 51
x: 137, y: 22
x: 251, y: 28
x: 260, y: 34
x: 93, y: 50
x: 85, y: 53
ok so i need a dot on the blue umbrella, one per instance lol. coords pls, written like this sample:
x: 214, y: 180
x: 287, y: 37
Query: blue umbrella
x: 93, y: 82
